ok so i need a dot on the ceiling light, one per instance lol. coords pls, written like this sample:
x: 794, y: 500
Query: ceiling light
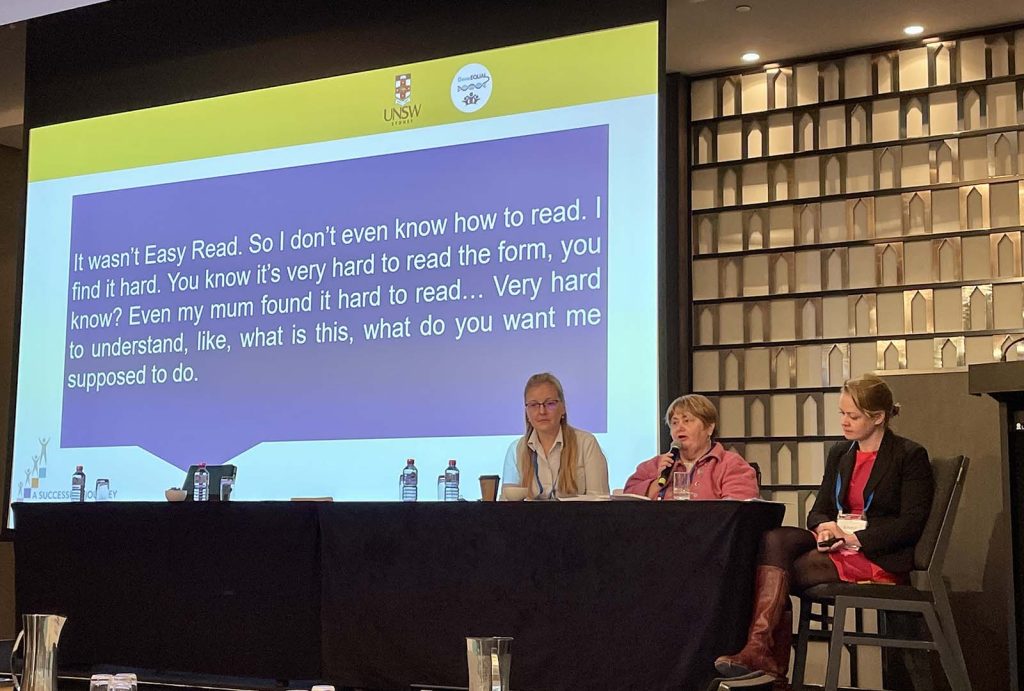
x: 742, y: 8
x: 750, y: 57
x: 913, y: 30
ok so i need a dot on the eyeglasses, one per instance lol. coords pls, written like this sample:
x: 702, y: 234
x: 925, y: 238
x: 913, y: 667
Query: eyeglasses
x: 549, y: 405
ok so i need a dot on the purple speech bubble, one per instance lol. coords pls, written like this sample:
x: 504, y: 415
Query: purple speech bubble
x: 415, y: 386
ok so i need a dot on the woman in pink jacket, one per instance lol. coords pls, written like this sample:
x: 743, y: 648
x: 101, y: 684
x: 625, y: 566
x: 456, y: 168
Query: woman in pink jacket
x: 714, y: 472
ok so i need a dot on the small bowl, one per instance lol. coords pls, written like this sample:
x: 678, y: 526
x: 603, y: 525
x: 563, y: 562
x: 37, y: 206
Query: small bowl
x: 175, y: 494
x: 513, y: 492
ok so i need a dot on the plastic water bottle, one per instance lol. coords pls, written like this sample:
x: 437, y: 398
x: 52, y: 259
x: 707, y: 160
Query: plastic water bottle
x: 78, y: 485
x: 201, y: 484
x: 440, y: 487
x: 409, y: 481
x: 451, y: 482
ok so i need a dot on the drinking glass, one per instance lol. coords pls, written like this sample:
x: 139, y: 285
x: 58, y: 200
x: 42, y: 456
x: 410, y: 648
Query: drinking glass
x: 100, y: 682
x: 102, y: 489
x: 227, y: 484
x: 680, y: 485
x: 489, y: 659
x: 125, y: 681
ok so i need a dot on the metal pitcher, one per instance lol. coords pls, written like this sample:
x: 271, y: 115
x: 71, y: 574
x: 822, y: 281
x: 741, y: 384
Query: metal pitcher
x: 489, y: 658
x: 41, y: 633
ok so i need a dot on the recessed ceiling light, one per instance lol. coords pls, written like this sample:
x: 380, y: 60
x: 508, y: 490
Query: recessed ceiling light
x: 742, y: 8
x: 913, y: 30
x: 750, y: 57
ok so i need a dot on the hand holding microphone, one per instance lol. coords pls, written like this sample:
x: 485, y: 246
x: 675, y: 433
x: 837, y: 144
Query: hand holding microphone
x: 666, y: 472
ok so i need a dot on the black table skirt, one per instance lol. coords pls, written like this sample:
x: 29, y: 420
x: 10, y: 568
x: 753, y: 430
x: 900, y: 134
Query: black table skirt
x: 614, y: 595
x: 218, y: 588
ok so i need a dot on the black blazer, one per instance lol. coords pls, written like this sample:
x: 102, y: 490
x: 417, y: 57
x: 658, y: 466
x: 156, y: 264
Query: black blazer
x: 902, y: 482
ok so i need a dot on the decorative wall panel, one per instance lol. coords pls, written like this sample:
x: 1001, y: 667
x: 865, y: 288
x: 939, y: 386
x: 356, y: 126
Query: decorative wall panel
x: 855, y: 214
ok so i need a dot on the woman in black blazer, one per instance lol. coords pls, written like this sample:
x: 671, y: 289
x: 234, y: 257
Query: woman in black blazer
x: 870, y: 511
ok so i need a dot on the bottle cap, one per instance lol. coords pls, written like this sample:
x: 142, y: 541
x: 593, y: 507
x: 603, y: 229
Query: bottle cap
x: 409, y: 461
x: 78, y: 468
x: 203, y: 464
x: 451, y: 462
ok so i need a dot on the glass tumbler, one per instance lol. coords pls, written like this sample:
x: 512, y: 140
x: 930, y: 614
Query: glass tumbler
x: 125, y: 678
x: 680, y: 485
x: 100, y: 682
x: 227, y: 484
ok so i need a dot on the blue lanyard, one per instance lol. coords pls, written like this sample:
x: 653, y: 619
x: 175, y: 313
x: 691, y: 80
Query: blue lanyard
x: 839, y: 504
x: 536, y: 472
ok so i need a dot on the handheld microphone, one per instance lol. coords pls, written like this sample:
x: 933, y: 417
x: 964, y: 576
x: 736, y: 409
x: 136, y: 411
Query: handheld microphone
x: 674, y: 450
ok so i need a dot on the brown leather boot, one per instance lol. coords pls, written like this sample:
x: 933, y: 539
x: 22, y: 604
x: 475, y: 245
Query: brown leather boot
x: 782, y: 642
x: 762, y: 651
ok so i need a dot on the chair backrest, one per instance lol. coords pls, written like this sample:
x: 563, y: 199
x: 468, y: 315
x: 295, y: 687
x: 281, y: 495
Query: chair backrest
x: 949, y: 475
x: 757, y: 472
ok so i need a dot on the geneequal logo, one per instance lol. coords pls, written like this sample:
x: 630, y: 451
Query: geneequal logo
x: 471, y: 87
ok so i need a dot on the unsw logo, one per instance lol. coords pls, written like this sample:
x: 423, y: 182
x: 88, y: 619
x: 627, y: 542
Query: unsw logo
x: 402, y: 113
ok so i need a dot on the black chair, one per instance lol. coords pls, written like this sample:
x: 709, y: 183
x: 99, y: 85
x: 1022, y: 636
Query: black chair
x: 821, y: 613
x: 757, y: 472
x: 932, y: 602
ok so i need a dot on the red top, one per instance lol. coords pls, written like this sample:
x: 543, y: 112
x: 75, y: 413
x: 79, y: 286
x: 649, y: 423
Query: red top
x: 854, y: 566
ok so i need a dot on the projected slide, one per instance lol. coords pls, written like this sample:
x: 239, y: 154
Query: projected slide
x: 316, y: 281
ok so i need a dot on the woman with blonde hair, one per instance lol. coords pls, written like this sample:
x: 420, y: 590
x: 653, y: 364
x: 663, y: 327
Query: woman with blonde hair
x: 553, y: 458
x: 869, y: 514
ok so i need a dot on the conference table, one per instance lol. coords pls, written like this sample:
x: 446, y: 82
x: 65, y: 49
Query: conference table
x: 598, y: 595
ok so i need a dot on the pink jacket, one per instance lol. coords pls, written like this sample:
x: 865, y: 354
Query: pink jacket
x: 720, y: 474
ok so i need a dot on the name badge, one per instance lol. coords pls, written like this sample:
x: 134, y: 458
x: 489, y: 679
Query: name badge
x: 852, y: 522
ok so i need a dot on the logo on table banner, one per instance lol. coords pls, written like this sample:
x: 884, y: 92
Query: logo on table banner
x: 471, y: 87
x: 402, y: 113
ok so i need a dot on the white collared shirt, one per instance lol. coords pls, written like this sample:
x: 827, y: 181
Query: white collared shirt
x: 591, y: 465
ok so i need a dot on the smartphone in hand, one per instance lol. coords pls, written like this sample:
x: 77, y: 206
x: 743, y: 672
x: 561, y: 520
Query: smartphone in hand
x: 825, y: 544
